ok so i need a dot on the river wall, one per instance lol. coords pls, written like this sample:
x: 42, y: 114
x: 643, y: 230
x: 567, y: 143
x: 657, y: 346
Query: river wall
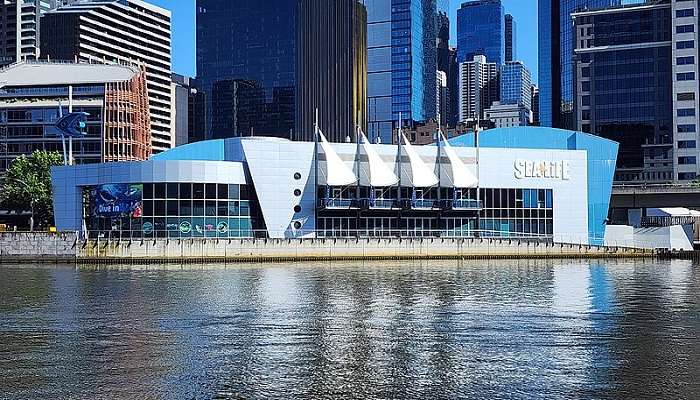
x: 66, y: 247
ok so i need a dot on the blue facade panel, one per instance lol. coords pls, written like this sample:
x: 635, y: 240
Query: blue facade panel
x: 601, y: 154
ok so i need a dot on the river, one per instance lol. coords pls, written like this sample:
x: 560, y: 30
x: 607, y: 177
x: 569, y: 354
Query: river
x: 432, y: 330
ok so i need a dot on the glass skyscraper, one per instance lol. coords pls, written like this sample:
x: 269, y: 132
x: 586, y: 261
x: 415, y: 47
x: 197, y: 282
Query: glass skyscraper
x: 481, y: 31
x: 516, y: 84
x: 556, y: 48
x: 402, y: 64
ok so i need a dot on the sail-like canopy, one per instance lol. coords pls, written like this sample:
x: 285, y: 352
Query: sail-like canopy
x: 380, y: 175
x: 337, y: 172
x: 461, y: 176
x: 422, y: 175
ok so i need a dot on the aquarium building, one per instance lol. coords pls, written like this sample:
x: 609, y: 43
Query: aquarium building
x: 522, y: 182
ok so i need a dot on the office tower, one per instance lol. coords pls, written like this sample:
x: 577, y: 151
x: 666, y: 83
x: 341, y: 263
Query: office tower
x: 402, y: 53
x: 331, y: 78
x: 447, y: 63
x: 478, y: 88
x: 633, y: 84
x: 508, y: 115
x: 266, y: 66
x: 443, y: 96
x: 36, y: 92
x: 19, y: 28
x: 118, y: 31
x: 516, y: 84
x: 480, y: 31
x: 511, y: 36
x: 555, y: 58
x: 535, y: 105
x: 184, y: 95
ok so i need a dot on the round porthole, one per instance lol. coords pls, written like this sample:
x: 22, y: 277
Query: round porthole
x: 297, y: 225
x: 297, y: 176
x: 297, y: 209
x: 297, y: 192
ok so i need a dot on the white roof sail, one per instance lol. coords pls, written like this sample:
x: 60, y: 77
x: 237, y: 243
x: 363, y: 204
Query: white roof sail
x: 337, y: 172
x: 461, y: 176
x: 422, y: 176
x: 379, y: 174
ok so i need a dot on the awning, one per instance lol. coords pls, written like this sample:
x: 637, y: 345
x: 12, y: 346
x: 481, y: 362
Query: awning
x: 422, y: 176
x: 337, y: 172
x: 461, y: 176
x: 379, y: 174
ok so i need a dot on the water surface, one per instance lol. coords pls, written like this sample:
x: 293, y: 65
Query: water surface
x: 473, y: 330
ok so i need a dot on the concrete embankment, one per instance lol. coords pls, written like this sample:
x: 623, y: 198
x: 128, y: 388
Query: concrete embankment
x: 66, y: 247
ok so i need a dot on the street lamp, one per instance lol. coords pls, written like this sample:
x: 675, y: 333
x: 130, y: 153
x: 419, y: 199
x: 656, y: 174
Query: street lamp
x: 31, y: 200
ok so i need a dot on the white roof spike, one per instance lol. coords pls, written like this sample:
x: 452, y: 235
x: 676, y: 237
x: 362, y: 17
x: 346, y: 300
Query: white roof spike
x: 422, y: 176
x: 337, y: 172
x: 461, y: 176
x: 380, y: 175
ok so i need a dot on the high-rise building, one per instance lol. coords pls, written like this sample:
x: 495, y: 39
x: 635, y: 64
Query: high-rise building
x: 556, y: 48
x: 481, y: 31
x: 635, y: 83
x: 447, y: 63
x: 118, y: 31
x: 511, y: 39
x: 19, y: 28
x: 508, y: 115
x: 331, y: 78
x: 443, y: 96
x: 535, y: 105
x: 36, y: 93
x: 402, y: 53
x: 516, y: 84
x: 183, y: 92
x: 266, y: 66
x: 478, y: 88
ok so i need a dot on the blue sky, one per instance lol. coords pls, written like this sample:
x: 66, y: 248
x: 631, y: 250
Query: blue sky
x: 524, y: 12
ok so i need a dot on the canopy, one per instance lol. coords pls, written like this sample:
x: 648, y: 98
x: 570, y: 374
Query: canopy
x: 422, y: 175
x: 461, y: 176
x: 379, y: 174
x: 337, y: 172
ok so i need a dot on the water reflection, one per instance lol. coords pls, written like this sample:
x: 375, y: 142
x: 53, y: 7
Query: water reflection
x: 513, y: 329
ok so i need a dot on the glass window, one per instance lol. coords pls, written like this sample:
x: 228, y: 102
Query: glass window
x: 686, y: 112
x: 159, y: 191
x: 684, y: 28
x: 233, y: 209
x: 172, y: 208
x: 686, y: 12
x: 222, y: 192
x: 198, y: 208
x: 210, y: 189
x: 210, y: 208
x: 198, y: 191
x: 185, y: 191
x: 686, y: 144
x: 148, y: 191
x: 686, y: 128
x: 159, y: 208
x: 234, y: 192
x: 186, y: 207
x: 222, y: 208
x: 172, y: 190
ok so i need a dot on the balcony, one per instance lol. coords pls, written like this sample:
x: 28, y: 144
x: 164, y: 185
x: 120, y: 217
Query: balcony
x: 422, y: 204
x: 464, y: 205
x: 338, y: 204
x: 380, y: 204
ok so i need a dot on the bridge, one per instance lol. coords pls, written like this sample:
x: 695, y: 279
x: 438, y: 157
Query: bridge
x: 655, y: 196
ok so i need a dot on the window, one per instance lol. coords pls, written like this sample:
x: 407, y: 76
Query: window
x: 686, y: 128
x: 685, y: 44
x: 686, y: 144
x: 685, y: 96
x: 686, y: 176
x: 686, y: 160
x: 684, y: 29
x: 690, y: 60
x: 686, y: 112
x: 686, y: 12
x: 685, y: 76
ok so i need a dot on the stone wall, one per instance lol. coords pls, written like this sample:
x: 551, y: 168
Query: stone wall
x: 37, y: 247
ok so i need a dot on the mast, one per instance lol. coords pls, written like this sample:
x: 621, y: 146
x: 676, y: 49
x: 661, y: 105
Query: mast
x: 316, y: 172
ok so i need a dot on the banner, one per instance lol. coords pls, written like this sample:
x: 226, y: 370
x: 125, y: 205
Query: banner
x: 117, y: 200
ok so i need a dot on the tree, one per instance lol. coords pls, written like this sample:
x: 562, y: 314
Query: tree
x: 27, y: 186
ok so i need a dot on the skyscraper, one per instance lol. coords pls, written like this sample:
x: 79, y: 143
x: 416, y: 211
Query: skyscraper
x: 516, y: 84
x: 481, y: 31
x: 19, y: 28
x: 556, y: 48
x: 121, y: 31
x: 402, y: 63
x: 272, y: 63
x: 535, y: 105
x: 510, y: 35
x: 478, y: 88
x: 636, y: 82
x: 447, y: 63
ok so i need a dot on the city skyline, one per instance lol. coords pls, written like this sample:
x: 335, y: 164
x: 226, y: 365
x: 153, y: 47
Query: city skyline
x: 183, y: 31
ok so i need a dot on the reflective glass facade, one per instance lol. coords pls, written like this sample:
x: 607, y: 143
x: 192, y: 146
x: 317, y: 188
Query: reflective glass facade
x: 516, y: 84
x: 555, y: 58
x: 481, y: 31
x: 402, y: 63
x: 246, y: 52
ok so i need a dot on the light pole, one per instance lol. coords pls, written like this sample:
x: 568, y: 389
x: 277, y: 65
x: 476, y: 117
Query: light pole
x: 31, y: 200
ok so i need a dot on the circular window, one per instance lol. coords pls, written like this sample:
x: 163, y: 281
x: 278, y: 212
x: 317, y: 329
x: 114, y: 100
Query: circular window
x: 297, y: 192
x: 297, y: 176
x: 297, y: 225
x: 297, y: 209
